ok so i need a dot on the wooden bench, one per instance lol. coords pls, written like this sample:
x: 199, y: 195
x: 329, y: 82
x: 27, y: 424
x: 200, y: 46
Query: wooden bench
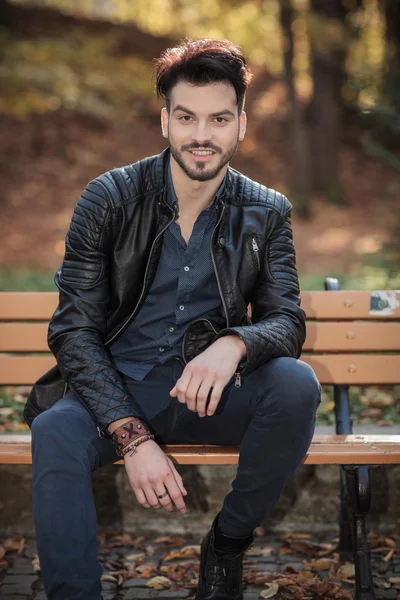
x: 353, y: 338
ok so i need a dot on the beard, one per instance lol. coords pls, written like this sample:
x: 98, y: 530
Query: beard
x: 202, y: 172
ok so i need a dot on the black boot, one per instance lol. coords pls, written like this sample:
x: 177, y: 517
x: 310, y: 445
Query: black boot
x: 220, y: 576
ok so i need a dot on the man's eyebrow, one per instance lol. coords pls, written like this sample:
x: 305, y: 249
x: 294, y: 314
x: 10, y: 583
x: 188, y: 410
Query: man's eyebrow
x: 190, y: 112
x: 183, y: 109
x: 222, y: 112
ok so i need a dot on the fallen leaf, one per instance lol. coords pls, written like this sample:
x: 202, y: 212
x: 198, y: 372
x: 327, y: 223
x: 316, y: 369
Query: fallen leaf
x: 185, y: 552
x: 318, y: 565
x: 347, y: 570
x: 14, y: 544
x: 389, y: 555
x: 271, y: 590
x: 135, y: 556
x: 159, y: 582
x: 171, y: 541
x: 35, y: 563
x: 145, y: 571
x: 107, y: 577
x: 259, y: 551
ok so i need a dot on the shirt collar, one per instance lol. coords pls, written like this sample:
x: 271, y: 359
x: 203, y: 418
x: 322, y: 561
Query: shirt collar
x: 173, y: 200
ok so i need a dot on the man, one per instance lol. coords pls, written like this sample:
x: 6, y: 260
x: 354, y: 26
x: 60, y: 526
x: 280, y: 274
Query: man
x: 153, y: 340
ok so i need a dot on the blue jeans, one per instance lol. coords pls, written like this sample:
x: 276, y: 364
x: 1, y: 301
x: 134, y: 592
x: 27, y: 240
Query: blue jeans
x: 271, y: 416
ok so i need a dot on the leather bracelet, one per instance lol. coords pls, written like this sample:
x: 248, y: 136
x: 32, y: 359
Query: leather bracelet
x: 129, y: 432
x: 131, y: 448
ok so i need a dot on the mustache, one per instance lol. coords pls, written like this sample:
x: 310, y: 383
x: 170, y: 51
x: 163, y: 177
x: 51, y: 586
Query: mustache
x: 206, y: 146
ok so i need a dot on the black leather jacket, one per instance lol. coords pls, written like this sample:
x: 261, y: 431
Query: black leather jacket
x: 112, y: 251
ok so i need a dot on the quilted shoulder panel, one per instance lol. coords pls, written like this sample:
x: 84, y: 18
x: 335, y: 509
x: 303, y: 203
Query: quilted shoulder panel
x: 83, y: 264
x: 130, y: 181
x: 245, y: 190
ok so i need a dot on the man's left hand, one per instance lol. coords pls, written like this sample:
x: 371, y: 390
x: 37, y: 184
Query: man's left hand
x: 212, y: 369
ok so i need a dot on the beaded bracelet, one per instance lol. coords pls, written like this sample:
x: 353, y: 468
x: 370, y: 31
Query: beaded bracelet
x: 131, y: 448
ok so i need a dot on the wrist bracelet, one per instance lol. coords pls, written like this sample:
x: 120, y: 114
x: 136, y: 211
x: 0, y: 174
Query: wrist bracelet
x: 131, y: 448
x: 129, y: 432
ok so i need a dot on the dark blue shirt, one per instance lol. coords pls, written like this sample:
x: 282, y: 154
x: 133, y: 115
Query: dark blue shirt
x: 184, y: 289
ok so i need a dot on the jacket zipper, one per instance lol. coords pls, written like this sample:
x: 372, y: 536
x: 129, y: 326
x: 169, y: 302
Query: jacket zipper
x: 238, y: 378
x: 216, y: 272
x: 256, y: 252
x: 121, y: 329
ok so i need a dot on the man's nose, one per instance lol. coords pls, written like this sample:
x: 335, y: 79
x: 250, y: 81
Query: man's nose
x: 202, y: 132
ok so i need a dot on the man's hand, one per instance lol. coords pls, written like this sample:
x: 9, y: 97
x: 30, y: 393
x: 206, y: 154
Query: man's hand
x: 151, y: 473
x: 212, y: 369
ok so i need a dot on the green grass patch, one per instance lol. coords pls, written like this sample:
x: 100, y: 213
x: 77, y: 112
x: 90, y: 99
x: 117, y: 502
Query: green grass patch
x: 25, y: 280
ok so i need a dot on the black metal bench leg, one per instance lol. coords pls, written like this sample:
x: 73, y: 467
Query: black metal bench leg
x: 359, y: 484
x: 344, y: 426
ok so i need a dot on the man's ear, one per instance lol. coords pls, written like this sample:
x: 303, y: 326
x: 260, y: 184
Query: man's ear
x: 164, y: 122
x: 242, y: 125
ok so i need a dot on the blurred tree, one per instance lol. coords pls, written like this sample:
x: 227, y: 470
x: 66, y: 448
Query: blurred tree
x: 328, y: 51
x: 301, y: 182
x: 392, y: 63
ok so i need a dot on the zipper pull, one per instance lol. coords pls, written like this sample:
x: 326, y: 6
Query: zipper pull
x: 99, y: 432
x: 254, y: 243
x: 238, y: 380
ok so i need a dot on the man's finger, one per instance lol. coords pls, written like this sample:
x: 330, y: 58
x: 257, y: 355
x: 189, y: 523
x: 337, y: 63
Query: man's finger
x: 151, y: 497
x: 141, y: 498
x: 178, y: 477
x: 215, y: 398
x: 165, y: 501
x: 182, y: 385
x: 175, y: 494
x: 202, y: 396
x: 191, y: 392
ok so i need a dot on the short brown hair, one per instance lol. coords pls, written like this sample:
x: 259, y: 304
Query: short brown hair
x: 201, y: 62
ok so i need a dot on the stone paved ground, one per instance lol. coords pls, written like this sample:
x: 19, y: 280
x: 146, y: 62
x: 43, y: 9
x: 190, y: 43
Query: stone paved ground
x: 300, y: 567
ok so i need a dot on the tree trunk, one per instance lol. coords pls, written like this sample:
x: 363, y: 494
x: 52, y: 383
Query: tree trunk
x: 5, y: 13
x: 299, y: 135
x: 392, y: 66
x: 327, y: 69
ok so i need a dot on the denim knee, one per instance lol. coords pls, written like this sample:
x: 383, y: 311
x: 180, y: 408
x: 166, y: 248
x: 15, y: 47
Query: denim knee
x: 294, y: 385
x: 55, y: 434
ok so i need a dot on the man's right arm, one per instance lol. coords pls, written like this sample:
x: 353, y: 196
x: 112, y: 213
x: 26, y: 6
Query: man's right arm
x: 77, y: 334
x: 78, y: 328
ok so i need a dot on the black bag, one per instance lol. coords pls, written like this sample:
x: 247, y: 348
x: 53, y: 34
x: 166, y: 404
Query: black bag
x: 45, y: 392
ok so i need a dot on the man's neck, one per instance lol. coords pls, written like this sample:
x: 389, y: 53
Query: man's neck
x: 193, y: 196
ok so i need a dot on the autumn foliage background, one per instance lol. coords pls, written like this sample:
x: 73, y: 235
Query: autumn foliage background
x: 77, y: 98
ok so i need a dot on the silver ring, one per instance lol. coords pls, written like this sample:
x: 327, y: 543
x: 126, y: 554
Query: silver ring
x: 162, y: 495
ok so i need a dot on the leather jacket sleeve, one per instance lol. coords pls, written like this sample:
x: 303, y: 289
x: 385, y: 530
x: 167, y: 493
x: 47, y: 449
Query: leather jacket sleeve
x: 278, y: 322
x: 77, y: 330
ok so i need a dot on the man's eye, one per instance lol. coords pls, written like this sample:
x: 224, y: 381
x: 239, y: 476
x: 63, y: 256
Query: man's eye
x: 185, y: 118
x: 221, y: 120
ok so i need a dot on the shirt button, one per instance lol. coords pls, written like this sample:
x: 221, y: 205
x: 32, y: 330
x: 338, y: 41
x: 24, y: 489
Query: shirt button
x: 172, y: 329
x: 161, y: 349
x: 186, y: 268
x: 181, y: 307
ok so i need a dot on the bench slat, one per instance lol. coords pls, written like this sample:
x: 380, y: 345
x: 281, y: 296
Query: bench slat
x: 333, y: 449
x: 351, y: 305
x: 27, y: 306
x: 371, y: 369
x: 321, y: 337
x: 39, y: 306
x: 352, y: 337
